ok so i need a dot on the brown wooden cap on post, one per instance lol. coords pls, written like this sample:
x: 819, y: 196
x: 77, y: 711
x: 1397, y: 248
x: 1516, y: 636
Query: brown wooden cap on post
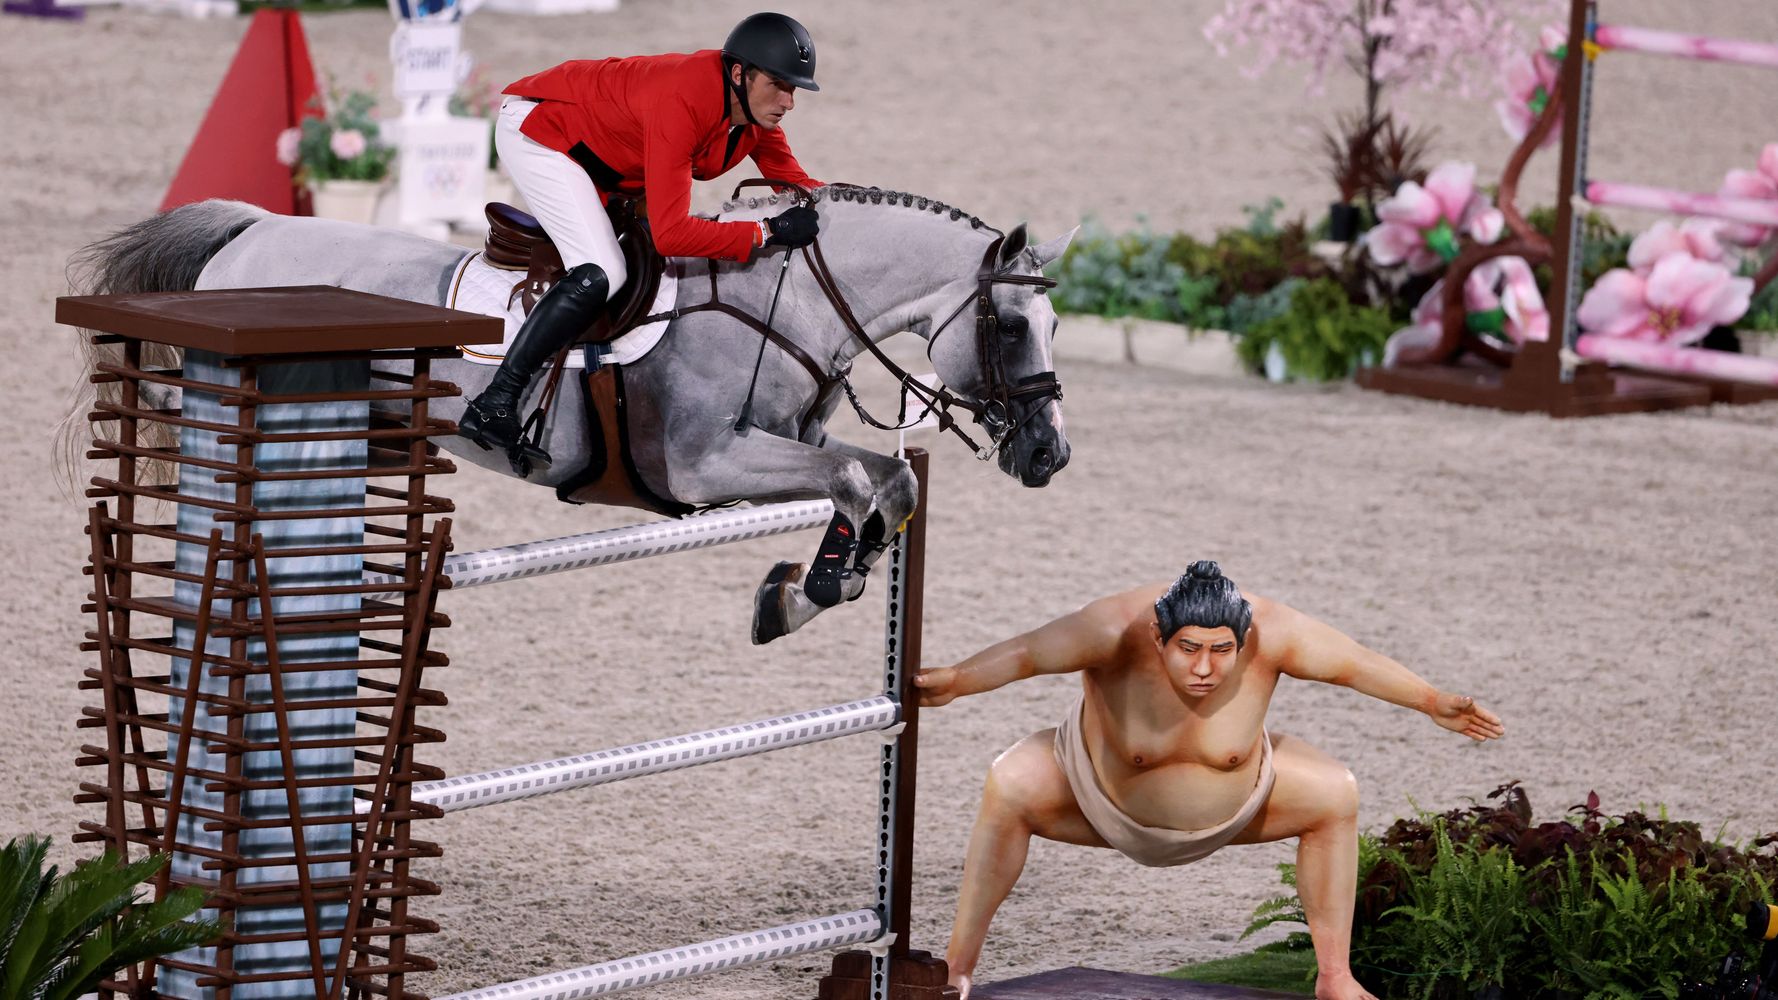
x: 299, y: 319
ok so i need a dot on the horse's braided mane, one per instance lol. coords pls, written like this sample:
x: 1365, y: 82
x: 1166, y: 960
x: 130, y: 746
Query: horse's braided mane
x: 863, y: 195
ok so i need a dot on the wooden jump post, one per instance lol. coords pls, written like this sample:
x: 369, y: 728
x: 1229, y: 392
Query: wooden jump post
x: 283, y: 779
x: 1572, y: 375
x: 298, y: 459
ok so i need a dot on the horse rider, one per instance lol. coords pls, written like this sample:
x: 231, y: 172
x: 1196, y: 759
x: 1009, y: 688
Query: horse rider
x: 572, y: 135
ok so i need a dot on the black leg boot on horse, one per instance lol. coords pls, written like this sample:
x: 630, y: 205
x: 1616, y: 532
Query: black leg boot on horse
x: 557, y: 320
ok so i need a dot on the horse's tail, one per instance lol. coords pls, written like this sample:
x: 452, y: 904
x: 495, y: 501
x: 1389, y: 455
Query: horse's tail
x: 162, y: 253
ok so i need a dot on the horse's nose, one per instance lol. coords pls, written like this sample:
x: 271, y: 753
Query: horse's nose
x: 1043, y: 462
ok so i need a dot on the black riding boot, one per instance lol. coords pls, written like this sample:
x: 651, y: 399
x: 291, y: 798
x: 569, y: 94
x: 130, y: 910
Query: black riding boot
x: 558, y: 319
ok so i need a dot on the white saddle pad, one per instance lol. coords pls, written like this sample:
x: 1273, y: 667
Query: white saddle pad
x: 480, y: 287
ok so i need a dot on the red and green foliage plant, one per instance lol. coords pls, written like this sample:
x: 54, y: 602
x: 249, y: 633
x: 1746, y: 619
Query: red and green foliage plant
x: 1590, y: 905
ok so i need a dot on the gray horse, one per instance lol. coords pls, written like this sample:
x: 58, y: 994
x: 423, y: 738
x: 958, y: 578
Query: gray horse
x: 899, y: 262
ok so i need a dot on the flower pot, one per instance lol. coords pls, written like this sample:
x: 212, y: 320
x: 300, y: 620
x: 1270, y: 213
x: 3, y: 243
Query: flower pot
x: 347, y: 201
x: 1342, y: 221
x: 1276, y: 368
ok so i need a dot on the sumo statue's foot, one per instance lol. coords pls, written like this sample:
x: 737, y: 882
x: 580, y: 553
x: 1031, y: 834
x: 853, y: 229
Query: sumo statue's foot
x: 1340, y: 987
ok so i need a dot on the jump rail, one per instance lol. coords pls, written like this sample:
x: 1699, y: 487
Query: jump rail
x: 604, y: 767
x: 1755, y: 210
x: 894, y: 712
x: 638, y: 541
x: 1683, y: 360
x: 854, y: 927
x: 1673, y: 43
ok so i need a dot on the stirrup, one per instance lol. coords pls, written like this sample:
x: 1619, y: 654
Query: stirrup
x: 527, y: 454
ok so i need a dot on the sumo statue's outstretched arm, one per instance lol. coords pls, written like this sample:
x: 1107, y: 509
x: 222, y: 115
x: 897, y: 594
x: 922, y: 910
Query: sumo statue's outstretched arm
x: 1078, y: 641
x: 1311, y: 650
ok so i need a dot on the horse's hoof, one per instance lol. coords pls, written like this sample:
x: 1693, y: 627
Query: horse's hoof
x: 771, y: 611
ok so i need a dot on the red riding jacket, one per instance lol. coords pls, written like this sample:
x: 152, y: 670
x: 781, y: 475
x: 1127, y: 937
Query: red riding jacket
x: 648, y: 125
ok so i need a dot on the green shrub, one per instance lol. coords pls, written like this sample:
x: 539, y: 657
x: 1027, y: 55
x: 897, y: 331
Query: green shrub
x: 1254, y: 259
x: 1111, y: 276
x: 1602, y: 247
x: 1244, y: 312
x: 1591, y: 906
x: 1181, y: 279
x: 1762, y: 312
x: 59, y: 936
x: 1323, y: 335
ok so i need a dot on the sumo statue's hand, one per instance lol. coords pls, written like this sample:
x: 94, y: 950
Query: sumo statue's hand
x: 1460, y: 714
x: 937, y: 686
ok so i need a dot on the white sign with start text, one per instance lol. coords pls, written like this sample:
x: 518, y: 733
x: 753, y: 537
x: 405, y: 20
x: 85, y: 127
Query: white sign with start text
x: 426, y: 55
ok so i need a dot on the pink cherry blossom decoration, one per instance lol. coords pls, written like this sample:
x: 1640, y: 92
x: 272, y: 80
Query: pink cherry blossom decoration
x: 1759, y: 184
x: 1677, y: 302
x: 1530, y: 81
x: 1427, y: 43
x: 1699, y: 238
x: 1421, y: 225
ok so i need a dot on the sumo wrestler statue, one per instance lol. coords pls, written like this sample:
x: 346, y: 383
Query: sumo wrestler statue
x: 1165, y: 756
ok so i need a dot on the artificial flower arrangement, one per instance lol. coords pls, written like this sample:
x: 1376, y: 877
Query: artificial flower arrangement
x: 1681, y: 282
x: 341, y: 142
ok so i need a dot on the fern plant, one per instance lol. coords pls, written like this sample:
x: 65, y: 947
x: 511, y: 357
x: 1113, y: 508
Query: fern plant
x: 60, y: 935
x: 1611, y: 937
x: 1462, y: 923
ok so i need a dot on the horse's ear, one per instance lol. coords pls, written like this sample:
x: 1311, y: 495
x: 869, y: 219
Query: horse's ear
x: 1047, y: 253
x: 1013, y: 245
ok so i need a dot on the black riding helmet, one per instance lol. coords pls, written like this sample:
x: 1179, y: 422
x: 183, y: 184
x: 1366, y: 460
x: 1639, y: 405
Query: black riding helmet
x: 777, y: 46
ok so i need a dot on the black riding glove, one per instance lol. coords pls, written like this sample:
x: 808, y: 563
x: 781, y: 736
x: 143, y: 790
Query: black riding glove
x: 794, y: 228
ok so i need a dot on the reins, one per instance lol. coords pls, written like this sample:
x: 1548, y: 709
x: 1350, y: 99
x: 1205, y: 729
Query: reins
x: 997, y: 406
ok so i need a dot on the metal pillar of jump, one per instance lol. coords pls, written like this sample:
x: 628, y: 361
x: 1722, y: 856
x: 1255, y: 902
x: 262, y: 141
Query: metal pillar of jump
x: 1568, y: 375
x: 252, y: 688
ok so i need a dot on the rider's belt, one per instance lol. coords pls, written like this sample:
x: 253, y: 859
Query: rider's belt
x: 607, y: 179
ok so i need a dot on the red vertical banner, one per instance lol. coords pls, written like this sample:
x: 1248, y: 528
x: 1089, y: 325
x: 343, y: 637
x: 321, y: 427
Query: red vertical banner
x: 268, y: 88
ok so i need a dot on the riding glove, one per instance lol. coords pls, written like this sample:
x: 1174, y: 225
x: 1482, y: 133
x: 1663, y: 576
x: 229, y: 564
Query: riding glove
x: 794, y: 228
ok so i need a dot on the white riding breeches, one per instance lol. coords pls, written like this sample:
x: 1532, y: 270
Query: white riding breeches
x: 560, y: 194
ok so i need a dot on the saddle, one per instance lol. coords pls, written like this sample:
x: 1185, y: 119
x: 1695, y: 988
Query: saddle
x: 517, y: 243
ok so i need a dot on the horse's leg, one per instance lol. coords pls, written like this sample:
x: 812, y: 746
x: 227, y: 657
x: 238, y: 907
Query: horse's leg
x: 761, y: 466
x: 897, y: 491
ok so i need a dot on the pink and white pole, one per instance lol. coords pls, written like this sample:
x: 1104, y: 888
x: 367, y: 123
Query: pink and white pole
x: 1673, y: 43
x: 1758, y: 211
x: 1669, y: 360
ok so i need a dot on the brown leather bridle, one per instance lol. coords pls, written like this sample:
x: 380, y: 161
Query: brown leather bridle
x: 996, y: 405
